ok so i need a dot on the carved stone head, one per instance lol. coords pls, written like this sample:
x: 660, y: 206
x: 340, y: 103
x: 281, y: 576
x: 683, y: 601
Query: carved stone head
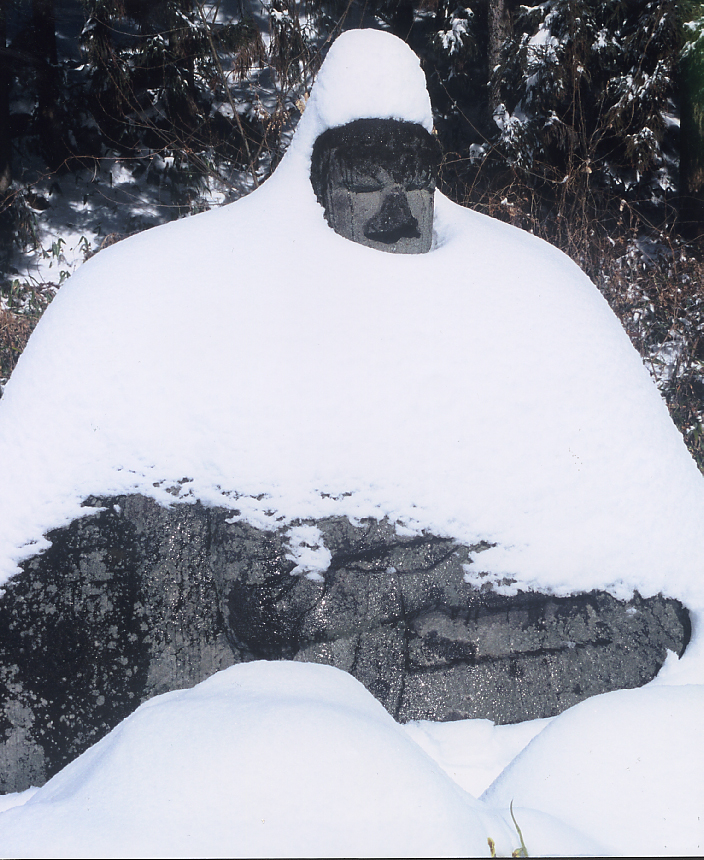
x: 375, y: 179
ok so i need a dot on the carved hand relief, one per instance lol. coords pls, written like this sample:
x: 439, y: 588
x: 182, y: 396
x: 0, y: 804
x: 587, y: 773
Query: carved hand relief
x: 375, y: 179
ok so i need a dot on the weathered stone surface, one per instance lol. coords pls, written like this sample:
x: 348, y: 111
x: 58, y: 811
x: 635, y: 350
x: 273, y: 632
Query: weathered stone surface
x: 137, y: 599
x: 121, y: 607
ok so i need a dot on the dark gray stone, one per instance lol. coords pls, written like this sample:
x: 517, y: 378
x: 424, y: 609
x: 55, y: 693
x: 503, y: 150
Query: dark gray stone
x: 122, y: 607
x: 137, y: 599
x: 375, y: 179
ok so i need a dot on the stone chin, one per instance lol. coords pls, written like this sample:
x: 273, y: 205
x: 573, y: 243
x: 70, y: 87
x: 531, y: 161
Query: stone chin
x: 375, y: 179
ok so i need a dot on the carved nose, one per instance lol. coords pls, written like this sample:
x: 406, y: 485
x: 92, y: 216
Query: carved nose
x: 393, y: 221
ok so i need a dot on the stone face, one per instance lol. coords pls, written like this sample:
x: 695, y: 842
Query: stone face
x: 136, y: 599
x: 375, y: 179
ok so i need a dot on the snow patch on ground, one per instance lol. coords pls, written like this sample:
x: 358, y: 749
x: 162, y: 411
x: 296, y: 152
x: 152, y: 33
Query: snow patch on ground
x: 261, y: 760
x: 473, y: 752
x: 18, y: 798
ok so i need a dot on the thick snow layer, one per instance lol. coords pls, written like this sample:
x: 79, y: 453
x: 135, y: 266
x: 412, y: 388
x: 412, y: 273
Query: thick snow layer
x: 624, y: 767
x: 483, y: 390
x: 367, y: 74
x: 264, y: 760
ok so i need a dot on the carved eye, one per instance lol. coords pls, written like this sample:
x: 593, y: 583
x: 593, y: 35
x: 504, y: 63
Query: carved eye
x: 362, y: 183
x: 420, y: 180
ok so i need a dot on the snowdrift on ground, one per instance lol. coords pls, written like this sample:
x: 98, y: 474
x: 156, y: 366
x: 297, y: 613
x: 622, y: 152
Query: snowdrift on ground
x: 624, y: 767
x: 261, y: 760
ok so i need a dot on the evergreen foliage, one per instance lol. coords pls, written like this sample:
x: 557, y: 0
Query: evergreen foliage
x: 692, y: 117
x: 158, y: 80
x: 587, y: 103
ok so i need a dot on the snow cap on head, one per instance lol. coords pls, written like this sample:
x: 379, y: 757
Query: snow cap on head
x: 369, y: 73
x: 366, y: 74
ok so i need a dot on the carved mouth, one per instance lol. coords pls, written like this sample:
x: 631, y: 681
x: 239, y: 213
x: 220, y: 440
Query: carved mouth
x: 389, y: 237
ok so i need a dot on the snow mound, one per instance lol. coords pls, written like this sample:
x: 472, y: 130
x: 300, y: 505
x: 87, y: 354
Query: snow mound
x: 370, y: 73
x: 482, y: 391
x: 624, y: 767
x: 261, y: 760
